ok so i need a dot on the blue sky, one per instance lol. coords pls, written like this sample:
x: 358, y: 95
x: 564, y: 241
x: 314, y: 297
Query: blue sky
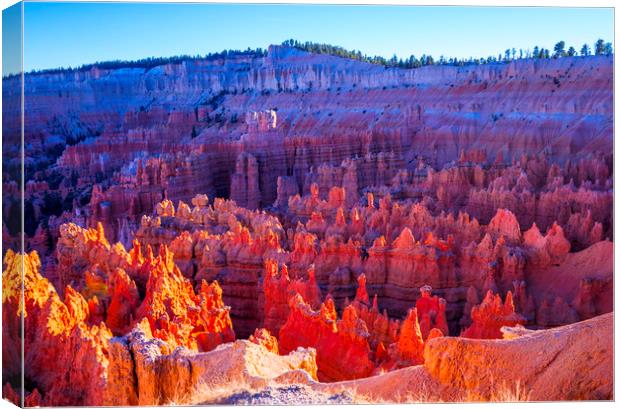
x: 71, y: 34
x: 11, y: 39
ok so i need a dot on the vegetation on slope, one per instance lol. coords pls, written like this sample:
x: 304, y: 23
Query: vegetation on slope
x: 600, y: 48
x: 151, y: 62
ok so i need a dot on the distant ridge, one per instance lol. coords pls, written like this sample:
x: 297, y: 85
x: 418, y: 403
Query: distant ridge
x: 150, y: 62
x: 600, y: 48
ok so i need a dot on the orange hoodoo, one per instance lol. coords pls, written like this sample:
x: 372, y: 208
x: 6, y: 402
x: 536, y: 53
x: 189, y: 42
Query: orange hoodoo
x: 410, y: 345
x: 431, y: 312
x: 74, y: 370
x: 279, y: 289
x: 341, y: 345
x: 179, y: 316
x: 491, y: 315
x: 65, y: 355
x: 263, y: 337
x: 361, y: 294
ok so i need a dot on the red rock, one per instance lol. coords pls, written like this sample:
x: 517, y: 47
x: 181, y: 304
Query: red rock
x: 78, y: 248
x: 278, y: 291
x: 342, y: 346
x: 547, y: 250
x: 436, y: 210
x: 558, y: 246
x: 505, y: 224
x: 63, y: 354
x: 124, y: 302
x: 584, y: 303
x: 382, y: 330
x: 263, y: 337
x: 244, y: 183
x: 179, y: 316
x: 287, y: 187
x: 431, y: 312
x: 9, y: 394
x: 362, y: 295
x: 336, y: 197
x: 161, y: 376
x: 183, y: 249
x: 410, y: 345
x: 472, y: 301
x: 491, y: 315
x: 551, y: 370
x: 33, y: 399
x: 524, y: 302
x: 554, y: 312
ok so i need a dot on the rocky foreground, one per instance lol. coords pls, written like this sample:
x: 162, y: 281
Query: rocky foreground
x: 305, y: 228
x: 91, y: 367
x: 139, y: 327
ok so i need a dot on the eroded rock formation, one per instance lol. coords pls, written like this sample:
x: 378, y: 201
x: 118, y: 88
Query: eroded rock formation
x: 67, y: 341
x: 270, y: 190
x: 491, y: 315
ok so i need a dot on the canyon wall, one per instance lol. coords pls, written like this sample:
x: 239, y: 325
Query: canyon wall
x: 179, y: 129
x: 339, y: 215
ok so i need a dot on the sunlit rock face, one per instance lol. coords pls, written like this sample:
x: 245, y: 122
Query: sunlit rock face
x: 491, y: 315
x: 298, y: 218
x: 544, y: 363
x: 66, y: 342
x: 65, y: 349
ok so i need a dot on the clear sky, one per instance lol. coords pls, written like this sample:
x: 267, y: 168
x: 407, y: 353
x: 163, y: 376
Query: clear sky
x: 11, y: 39
x: 71, y: 34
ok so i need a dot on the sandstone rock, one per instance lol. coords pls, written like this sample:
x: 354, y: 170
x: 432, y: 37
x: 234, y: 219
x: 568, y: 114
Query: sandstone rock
x: 263, y: 337
x: 279, y: 290
x: 381, y: 182
x: 491, y: 315
x: 505, y: 224
x: 52, y: 328
x: 342, y: 345
x: 410, y: 345
x: 160, y: 375
x: 179, y: 316
x: 554, y: 371
x: 515, y: 332
x: 287, y: 187
x: 124, y: 301
x: 431, y: 312
x: 244, y: 183
x: 361, y: 294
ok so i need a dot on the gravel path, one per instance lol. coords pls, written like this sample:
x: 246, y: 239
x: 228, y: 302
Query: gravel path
x: 290, y: 395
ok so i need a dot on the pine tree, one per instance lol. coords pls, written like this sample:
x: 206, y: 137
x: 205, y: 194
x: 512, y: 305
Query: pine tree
x: 559, y: 50
x: 585, y: 50
x: 599, y: 47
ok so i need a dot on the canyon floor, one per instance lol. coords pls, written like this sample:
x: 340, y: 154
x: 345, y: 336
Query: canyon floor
x: 288, y: 227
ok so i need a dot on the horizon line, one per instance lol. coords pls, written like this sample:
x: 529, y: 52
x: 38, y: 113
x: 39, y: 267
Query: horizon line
x: 249, y: 50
